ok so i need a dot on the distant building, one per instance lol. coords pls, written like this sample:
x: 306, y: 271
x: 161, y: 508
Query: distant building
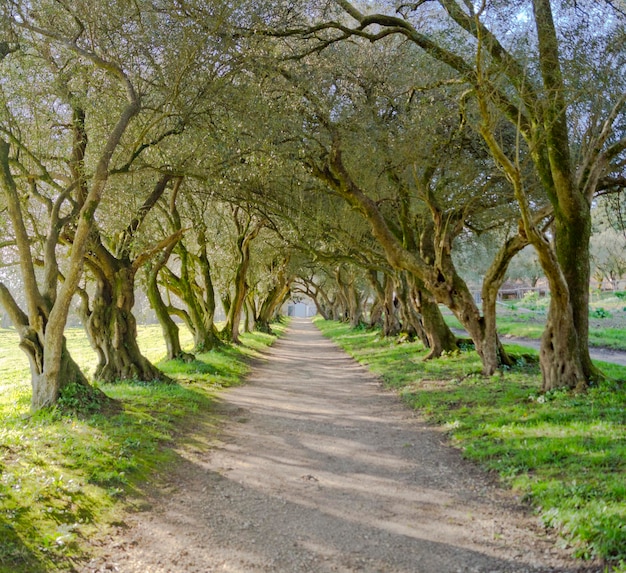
x: 300, y: 309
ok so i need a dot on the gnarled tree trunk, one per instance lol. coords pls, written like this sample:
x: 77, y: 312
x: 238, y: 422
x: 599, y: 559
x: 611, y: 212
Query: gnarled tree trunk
x: 409, y: 314
x: 440, y: 338
x: 494, y: 277
x: 199, y: 299
x: 47, y: 384
x: 572, y: 239
x: 110, y: 323
x: 112, y: 329
x: 391, y: 322
x: 272, y: 302
x: 559, y: 354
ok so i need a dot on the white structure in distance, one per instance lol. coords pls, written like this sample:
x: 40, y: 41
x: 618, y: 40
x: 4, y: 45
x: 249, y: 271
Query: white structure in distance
x: 300, y: 309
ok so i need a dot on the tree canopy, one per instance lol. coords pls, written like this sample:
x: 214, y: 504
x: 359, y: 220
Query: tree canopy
x: 225, y: 157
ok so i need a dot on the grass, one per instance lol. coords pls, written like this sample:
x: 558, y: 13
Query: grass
x: 564, y: 453
x: 65, y: 478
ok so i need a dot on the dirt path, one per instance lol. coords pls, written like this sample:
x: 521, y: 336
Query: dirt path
x: 319, y: 470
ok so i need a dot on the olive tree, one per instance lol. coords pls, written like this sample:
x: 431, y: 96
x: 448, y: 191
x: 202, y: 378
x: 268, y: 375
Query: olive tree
x: 44, y: 175
x: 531, y: 75
x: 361, y: 130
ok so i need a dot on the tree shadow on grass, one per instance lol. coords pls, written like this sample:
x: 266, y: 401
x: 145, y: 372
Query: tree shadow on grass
x: 81, y: 468
x: 15, y: 555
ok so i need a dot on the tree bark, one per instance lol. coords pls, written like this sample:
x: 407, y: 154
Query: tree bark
x: 247, y: 234
x: 377, y: 307
x: 112, y: 329
x: 572, y: 238
x: 110, y: 324
x: 273, y: 301
x: 440, y: 338
x: 493, y: 280
x: 47, y: 394
x: 46, y: 390
x: 559, y: 355
x: 171, y: 333
x: 210, y: 337
x: 249, y: 308
x: 391, y: 323
x: 198, y: 299
x: 410, y: 317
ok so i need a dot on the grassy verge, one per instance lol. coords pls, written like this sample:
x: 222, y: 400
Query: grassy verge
x: 64, y: 479
x: 565, y: 453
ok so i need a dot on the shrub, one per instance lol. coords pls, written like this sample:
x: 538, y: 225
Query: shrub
x: 600, y: 313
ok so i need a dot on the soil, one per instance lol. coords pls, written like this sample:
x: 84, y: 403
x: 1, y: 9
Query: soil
x: 316, y: 468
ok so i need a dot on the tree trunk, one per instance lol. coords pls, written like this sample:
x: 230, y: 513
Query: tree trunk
x: 198, y: 299
x: 246, y: 234
x: 377, y: 308
x: 560, y: 351
x: 376, y: 314
x: 494, y: 278
x: 168, y: 326
x: 201, y: 309
x: 455, y: 295
x: 250, y: 312
x: 210, y: 337
x: 572, y: 249
x: 559, y: 354
x: 47, y: 388
x: 355, y: 304
x: 112, y: 330
x: 391, y: 322
x: 70, y: 380
x: 273, y: 301
x: 440, y: 338
x: 230, y: 332
x: 409, y: 315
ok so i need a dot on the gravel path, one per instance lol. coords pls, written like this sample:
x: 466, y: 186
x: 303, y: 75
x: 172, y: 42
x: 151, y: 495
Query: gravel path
x: 317, y: 469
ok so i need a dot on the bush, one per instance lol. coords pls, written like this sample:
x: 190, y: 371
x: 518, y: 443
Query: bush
x: 600, y: 313
x: 530, y: 298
